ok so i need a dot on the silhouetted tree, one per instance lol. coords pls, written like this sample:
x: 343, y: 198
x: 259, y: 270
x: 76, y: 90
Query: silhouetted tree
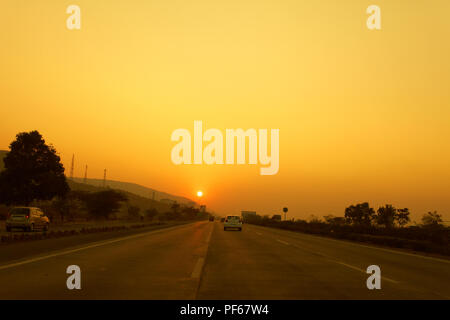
x: 276, y: 217
x: 151, y: 213
x: 67, y: 207
x: 330, y: 219
x: 432, y: 219
x: 33, y: 171
x: 103, y: 203
x: 253, y: 218
x: 386, y: 216
x: 133, y: 211
x: 402, y: 216
x: 190, y: 213
x: 175, y: 207
x: 314, y: 219
x: 174, y: 214
x: 361, y: 214
x: 3, y: 212
x: 63, y: 207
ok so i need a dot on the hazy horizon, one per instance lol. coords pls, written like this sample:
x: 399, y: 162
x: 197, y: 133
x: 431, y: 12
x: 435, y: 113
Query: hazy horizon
x: 362, y: 115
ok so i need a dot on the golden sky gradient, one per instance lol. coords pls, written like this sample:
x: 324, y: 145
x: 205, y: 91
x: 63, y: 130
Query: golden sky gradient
x: 363, y: 115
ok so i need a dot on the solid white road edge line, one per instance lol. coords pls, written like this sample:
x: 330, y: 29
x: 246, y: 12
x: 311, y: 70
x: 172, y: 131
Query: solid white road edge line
x: 94, y: 245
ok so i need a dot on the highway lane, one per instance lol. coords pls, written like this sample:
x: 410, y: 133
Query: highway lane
x: 153, y: 265
x: 266, y: 263
x: 418, y: 275
x: 201, y: 261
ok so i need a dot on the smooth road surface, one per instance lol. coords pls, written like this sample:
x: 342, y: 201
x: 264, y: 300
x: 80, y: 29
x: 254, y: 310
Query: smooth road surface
x: 202, y: 261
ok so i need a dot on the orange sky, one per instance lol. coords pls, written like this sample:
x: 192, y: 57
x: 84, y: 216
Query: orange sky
x: 363, y: 115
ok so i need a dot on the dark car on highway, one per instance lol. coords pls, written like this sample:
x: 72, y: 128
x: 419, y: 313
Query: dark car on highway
x: 27, y: 218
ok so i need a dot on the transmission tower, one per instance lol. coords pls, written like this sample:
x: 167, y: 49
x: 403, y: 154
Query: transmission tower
x: 104, y: 179
x: 71, y: 167
x: 85, y: 175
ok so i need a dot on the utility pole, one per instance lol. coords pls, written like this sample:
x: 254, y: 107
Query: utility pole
x: 85, y: 175
x: 104, y: 179
x: 285, y: 210
x: 71, y: 167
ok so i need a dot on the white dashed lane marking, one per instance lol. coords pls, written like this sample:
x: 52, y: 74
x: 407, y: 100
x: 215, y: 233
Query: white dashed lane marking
x: 283, y: 242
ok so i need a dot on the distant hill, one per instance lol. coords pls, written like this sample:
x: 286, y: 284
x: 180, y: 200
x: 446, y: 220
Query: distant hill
x: 135, y: 200
x: 124, y: 186
x: 136, y: 189
x: 2, y: 155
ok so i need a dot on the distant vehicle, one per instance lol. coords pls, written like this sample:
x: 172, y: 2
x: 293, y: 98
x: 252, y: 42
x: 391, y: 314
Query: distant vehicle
x: 211, y: 218
x: 27, y: 218
x: 222, y: 219
x: 232, y: 222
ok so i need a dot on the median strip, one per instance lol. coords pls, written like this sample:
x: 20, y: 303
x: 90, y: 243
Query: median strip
x: 197, y: 272
x: 198, y: 268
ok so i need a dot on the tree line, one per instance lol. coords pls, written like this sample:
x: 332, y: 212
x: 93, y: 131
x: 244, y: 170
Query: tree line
x: 33, y: 173
x: 386, y: 226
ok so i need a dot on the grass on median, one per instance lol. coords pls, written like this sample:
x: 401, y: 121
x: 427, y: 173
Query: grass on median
x: 73, y: 229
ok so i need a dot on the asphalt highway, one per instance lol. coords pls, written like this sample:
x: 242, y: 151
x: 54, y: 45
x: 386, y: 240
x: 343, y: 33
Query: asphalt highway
x: 202, y: 261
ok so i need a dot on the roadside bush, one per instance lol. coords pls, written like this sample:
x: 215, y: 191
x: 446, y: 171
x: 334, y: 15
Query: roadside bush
x: 151, y: 213
x: 134, y: 212
x: 3, y: 212
x: 19, y: 237
x: 428, y: 238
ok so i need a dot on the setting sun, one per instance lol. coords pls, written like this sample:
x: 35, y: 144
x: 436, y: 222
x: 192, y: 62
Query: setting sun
x: 199, y: 193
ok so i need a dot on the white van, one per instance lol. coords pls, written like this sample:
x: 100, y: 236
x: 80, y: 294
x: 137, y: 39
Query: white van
x: 232, y: 222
